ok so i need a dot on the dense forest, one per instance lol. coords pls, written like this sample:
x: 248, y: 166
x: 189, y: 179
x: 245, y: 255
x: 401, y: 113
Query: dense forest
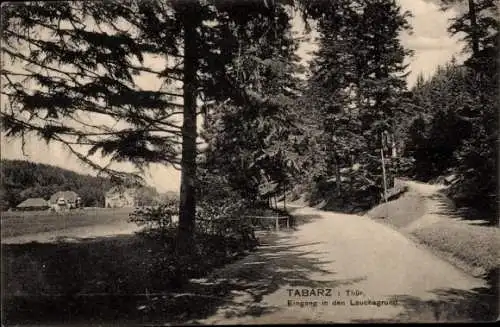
x: 446, y: 125
x: 454, y: 126
x: 455, y: 134
x: 331, y: 135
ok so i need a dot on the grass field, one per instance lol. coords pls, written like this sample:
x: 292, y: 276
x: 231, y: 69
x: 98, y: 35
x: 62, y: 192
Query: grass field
x: 23, y: 223
x: 102, y: 279
x: 119, y: 278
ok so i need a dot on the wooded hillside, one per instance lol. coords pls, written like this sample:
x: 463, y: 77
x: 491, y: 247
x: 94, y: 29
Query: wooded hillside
x: 24, y: 179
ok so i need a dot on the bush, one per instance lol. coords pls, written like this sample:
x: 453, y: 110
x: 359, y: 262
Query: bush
x: 221, y: 233
x: 226, y: 218
x: 157, y: 219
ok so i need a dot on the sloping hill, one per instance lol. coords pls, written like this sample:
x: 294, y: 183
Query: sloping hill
x: 24, y: 179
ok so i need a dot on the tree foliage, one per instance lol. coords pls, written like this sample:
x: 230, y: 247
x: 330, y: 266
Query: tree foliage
x: 80, y: 64
x: 356, y: 91
x: 458, y: 129
x: 73, y: 80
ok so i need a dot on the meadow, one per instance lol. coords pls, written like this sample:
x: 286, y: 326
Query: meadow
x: 118, y: 278
x: 18, y: 223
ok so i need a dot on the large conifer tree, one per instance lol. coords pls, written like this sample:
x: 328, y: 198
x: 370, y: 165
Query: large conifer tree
x: 77, y: 62
x: 359, y: 81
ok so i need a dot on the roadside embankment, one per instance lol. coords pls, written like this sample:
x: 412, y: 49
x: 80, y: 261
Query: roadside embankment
x: 427, y: 216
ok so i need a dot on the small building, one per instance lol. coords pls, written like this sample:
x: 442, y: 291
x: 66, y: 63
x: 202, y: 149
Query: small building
x: 65, y: 200
x: 121, y: 197
x: 33, y: 204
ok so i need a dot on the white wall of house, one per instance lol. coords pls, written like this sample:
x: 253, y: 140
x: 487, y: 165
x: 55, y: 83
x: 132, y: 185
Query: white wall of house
x: 58, y: 206
x: 124, y: 199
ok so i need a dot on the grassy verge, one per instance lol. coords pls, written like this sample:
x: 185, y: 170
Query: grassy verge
x: 22, y: 223
x: 475, y: 246
x: 470, y: 246
x: 400, y: 212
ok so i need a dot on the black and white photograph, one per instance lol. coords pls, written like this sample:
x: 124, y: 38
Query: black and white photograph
x: 249, y: 162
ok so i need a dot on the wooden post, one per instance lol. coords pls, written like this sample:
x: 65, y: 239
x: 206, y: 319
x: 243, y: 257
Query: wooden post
x: 277, y: 224
x: 394, y: 149
x: 287, y: 222
x: 383, y: 174
x: 284, y: 196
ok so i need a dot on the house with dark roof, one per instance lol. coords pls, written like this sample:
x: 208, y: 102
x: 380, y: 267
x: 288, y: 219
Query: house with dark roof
x: 65, y: 200
x: 33, y: 204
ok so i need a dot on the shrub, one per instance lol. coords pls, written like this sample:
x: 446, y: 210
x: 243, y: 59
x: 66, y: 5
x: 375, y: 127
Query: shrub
x: 221, y: 234
x: 156, y: 219
x: 226, y: 218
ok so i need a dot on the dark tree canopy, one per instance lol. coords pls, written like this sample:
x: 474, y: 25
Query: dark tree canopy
x: 356, y: 91
x: 457, y: 131
x: 72, y: 80
x: 80, y: 64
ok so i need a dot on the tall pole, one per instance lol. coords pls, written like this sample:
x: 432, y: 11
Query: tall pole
x: 383, y: 174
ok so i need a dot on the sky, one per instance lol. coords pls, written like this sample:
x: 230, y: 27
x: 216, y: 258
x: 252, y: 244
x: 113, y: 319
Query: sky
x: 430, y: 41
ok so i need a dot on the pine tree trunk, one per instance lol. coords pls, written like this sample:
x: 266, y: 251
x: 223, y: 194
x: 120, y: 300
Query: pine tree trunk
x: 474, y: 28
x: 187, y: 209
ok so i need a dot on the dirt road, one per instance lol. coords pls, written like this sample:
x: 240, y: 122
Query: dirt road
x: 359, y: 270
